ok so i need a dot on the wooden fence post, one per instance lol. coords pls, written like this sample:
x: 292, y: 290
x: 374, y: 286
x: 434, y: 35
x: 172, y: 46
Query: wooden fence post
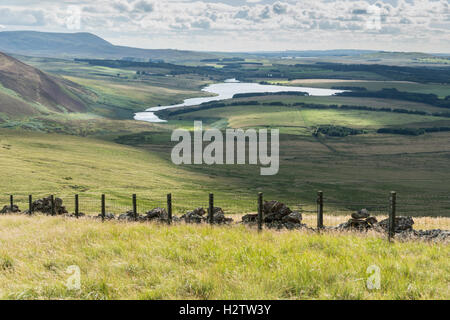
x: 319, y: 210
x: 30, y: 204
x: 11, y: 202
x: 103, y: 207
x: 260, y: 211
x: 135, y: 208
x: 77, y: 208
x: 211, y: 208
x: 169, y: 208
x: 52, y: 203
x: 392, y: 214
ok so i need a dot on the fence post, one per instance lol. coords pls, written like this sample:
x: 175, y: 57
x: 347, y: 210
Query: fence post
x: 260, y: 211
x: 392, y: 213
x: 103, y: 208
x: 11, y: 202
x: 30, y: 204
x: 135, y: 208
x: 77, y: 213
x: 211, y: 208
x: 319, y: 210
x: 52, y: 202
x: 169, y: 208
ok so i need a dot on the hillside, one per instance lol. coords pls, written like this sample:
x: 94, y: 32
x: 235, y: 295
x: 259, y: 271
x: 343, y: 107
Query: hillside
x: 26, y: 90
x: 83, y: 45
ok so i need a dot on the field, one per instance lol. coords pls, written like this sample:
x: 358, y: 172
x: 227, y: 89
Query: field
x: 131, y: 261
x: 290, y: 119
x: 103, y: 151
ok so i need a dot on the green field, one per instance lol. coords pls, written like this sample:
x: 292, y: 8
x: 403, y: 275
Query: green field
x: 147, y: 261
x: 289, y: 119
x: 104, y: 151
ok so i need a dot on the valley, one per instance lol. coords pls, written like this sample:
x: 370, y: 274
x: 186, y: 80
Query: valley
x: 93, y: 206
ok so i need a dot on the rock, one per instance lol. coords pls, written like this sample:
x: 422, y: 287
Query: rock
x: 195, y: 216
x: 276, y: 216
x: 361, y: 214
x: 158, y: 214
x: 44, y: 205
x: 129, y: 215
x: 250, y: 218
x: 275, y: 211
x: 401, y: 224
x: 294, y: 217
x: 429, y: 235
x: 360, y: 221
x: 219, y: 217
x: 355, y: 224
x: 80, y: 215
x: 8, y: 209
x: 436, y: 234
x: 108, y: 216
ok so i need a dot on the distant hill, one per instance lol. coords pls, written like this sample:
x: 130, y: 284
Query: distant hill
x: 25, y: 90
x: 84, y: 45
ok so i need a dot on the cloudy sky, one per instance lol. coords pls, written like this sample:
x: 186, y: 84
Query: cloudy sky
x: 247, y: 25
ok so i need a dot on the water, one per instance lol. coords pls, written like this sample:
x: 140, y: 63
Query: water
x: 227, y: 90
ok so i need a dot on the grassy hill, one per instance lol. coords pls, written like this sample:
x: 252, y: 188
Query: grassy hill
x: 25, y: 90
x: 83, y: 45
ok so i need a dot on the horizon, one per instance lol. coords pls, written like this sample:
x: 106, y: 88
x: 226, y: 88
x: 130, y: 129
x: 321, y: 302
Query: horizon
x: 239, y: 52
x: 244, y: 26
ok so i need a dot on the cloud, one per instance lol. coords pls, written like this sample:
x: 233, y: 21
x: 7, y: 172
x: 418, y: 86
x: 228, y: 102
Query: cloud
x: 144, y: 6
x: 201, y: 24
x: 21, y: 17
x: 292, y: 22
x: 280, y: 8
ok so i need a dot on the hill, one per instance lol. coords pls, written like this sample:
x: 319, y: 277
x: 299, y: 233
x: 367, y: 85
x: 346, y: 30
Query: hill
x: 25, y: 90
x: 83, y: 45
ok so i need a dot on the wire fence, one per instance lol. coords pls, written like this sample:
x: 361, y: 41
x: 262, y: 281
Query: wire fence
x: 335, y: 211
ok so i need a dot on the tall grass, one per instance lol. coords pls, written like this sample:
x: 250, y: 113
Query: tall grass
x: 151, y: 261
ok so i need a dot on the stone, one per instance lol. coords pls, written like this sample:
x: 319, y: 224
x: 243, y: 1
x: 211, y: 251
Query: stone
x: 372, y: 221
x: 108, y: 216
x: 401, y: 224
x: 44, y: 205
x: 195, y: 216
x: 8, y: 209
x: 294, y: 217
x: 355, y: 224
x: 275, y: 211
x: 159, y: 214
x: 361, y: 214
x: 129, y: 215
x: 360, y: 221
x: 219, y: 217
x: 250, y: 218
x: 276, y: 215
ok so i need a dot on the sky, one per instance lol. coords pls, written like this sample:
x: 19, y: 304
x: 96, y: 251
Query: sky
x: 247, y: 25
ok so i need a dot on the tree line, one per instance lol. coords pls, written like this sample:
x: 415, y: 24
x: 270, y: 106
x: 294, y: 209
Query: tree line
x: 394, y: 94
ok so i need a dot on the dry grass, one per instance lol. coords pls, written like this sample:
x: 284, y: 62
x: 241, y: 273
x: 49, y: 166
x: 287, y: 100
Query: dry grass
x: 150, y: 261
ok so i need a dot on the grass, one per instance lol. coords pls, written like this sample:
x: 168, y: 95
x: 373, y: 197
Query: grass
x: 148, y: 261
x: 298, y: 120
x: 354, y: 172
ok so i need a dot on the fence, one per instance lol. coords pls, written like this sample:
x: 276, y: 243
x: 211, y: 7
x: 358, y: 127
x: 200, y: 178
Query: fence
x: 319, y: 212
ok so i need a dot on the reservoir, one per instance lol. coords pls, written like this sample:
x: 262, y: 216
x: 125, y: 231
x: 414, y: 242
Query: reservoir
x: 227, y: 90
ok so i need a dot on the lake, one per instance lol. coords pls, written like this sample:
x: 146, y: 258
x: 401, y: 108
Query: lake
x: 227, y: 90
